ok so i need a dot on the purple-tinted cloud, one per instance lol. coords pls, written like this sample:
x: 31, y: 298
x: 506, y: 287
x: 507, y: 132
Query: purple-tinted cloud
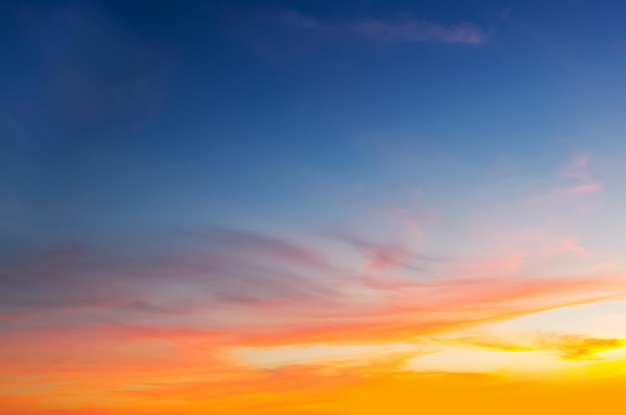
x: 402, y: 29
x: 224, y: 267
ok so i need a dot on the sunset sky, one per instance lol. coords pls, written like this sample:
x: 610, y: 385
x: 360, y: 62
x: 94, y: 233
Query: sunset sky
x: 291, y: 207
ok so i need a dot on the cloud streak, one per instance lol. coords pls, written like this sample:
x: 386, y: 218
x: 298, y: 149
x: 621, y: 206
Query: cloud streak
x: 567, y: 346
x: 402, y: 29
x: 581, y: 186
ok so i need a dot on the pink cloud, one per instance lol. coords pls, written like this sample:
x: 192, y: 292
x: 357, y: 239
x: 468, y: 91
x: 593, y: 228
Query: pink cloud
x: 572, y: 245
x: 568, y: 193
x: 383, y: 258
x: 538, y: 245
x: 575, y: 170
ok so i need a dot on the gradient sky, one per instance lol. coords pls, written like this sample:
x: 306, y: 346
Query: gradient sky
x: 312, y: 207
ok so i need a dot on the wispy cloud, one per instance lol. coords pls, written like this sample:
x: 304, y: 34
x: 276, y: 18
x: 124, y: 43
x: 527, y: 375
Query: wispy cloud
x: 242, y: 279
x: 401, y: 29
x: 224, y: 266
x: 567, y: 346
x: 576, y: 168
x: 567, y: 194
x: 581, y: 186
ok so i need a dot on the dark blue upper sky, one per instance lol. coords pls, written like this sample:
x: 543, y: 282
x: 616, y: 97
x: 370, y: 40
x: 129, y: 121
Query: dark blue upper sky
x: 117, y: 115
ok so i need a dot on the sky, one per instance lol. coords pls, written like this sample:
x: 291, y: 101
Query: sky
x: 312, y: 207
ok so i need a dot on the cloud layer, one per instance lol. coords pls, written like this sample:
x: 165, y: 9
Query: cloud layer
x: 213, y: 317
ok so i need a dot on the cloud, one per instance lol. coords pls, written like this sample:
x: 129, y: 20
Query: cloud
x: 382, y: 257
x: 576, y: 347
x: 167, y: 323
x: 567, y: 346
x: 576, y: 168
x: 402, y: 29
x: 240, y: 277
x: 582, y: 188
x: 567, y: 194
x: 224, y: 266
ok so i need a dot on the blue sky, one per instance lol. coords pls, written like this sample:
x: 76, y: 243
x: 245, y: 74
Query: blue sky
x: 120, y: 115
